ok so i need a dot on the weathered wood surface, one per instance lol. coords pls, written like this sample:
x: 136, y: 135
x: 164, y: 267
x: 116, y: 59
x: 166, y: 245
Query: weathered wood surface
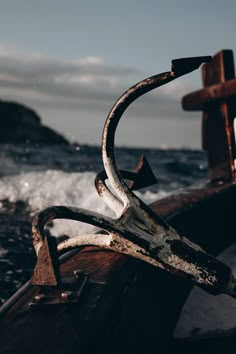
x: 127, y: 306
x: 217, y: 101
x: 198, y: 100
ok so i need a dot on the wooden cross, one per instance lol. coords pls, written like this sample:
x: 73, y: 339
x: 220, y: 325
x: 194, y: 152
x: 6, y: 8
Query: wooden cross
x: 218, y: 102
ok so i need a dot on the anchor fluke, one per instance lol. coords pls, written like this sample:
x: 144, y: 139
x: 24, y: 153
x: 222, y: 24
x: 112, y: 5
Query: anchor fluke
x: 144, y: 175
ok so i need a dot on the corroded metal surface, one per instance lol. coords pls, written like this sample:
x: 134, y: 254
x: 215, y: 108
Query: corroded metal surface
x: 46, y: 269
x: 69, y: 292
x: 145, y: 173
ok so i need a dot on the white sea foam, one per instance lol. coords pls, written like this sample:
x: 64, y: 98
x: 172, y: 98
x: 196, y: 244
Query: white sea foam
x: 54, y: 187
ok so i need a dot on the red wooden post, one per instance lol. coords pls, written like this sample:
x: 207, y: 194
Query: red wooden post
x: 217, y: 100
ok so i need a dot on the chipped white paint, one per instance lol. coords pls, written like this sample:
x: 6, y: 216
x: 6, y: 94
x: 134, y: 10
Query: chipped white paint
x: 111, y: 241
x: 119, y: 188
x: 112, y: 201
x: 100, y: 240
x: 186, y: 267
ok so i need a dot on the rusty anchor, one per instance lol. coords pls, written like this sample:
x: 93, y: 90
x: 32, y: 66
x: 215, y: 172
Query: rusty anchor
x: 137, y: 231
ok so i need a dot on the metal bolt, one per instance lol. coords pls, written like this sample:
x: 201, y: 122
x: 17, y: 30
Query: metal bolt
x: 66, y: 295
x: 78, y: 273
x: 39, y: 297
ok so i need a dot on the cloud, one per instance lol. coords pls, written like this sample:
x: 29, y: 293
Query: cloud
x: 89, y: 83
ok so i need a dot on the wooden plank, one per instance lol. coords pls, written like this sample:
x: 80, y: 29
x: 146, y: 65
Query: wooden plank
x: 217, y: 125
x: 198, y: 100
x: 219, y: 110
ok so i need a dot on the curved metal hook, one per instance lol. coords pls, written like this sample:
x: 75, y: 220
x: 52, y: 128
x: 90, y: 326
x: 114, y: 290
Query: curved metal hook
x: 179, y: 67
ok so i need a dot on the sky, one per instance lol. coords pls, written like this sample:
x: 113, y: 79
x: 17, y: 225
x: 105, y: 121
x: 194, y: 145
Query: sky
x: 70, y: 60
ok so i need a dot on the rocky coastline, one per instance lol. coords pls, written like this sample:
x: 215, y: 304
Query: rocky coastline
x: 21, y: 124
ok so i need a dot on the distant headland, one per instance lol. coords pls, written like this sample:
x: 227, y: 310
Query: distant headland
x: 20, y: 124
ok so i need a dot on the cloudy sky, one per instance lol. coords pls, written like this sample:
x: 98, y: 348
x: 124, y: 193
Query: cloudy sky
x: 71, y: 59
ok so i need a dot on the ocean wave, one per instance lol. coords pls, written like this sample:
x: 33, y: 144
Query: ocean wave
x: 53, y: 187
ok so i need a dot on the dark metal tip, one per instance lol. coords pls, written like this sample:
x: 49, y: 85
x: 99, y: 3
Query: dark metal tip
x: 186, y: 65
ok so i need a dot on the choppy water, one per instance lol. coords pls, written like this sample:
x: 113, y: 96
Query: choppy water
x: 32, y: 178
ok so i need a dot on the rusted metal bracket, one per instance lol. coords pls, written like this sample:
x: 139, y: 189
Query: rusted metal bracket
x: 138, y: 231
x: 217, y: 101
x: 69, y: 292
x: 47, y: 267
x: 145, y: 175
x: 142, y: 177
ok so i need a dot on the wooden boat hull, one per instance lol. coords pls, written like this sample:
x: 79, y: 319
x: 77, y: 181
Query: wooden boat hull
x: 127, y: 305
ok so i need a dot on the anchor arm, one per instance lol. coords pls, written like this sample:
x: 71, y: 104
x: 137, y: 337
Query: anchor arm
x: 203, y: 269
x: 46, y: 271
x: 117, y: 238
